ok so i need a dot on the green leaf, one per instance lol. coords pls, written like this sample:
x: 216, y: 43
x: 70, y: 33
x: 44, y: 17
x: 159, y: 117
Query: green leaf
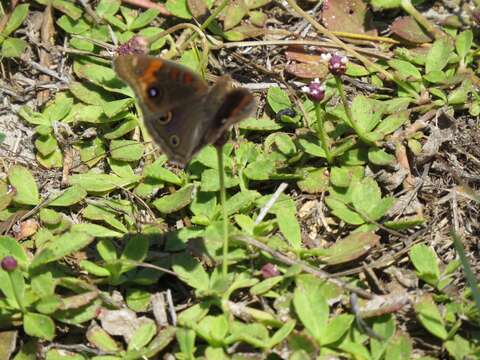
x: 107, y: 250
x: 289, y: 227
x: 281, y: 334
x: 285, y: 144
x: 39, y: 325
x: 463, y: 43
x: 366, y: 112
x: 399, y: 347
x: 176, y: 201
x: 144, y: 19
x: 57, y: 109
x: 158, y: 172
x: 337, y: 327
x: 25, y: 186
x: 72, y: 26
x: 378, y: 156
x: 10, y: 246
x: 190, y: 271
x: 459, y: 348
x: 425, y: 261
x: 254, y: 124
x: 210, y: 180
x: 213, y: 329
x: 265, y: 285
x: 278, y: 99
x: 136, y: 249
x: 178, y: 8
x: 138, y: 299
x: 12, y: 285
x: 437, y: 57
x: 95, y: 230
x: 186, y: 342
x: 107, y: 7
x: 13, y: 47
x: 68, y: 197
x: 46, y: 144
x: 385, y: 4
x: 459, y: 96
x: 315, y: 182
x: 312, y: 308
x: 430, y: 317
x: 48, y: 304
x: 99, y: 183
x: 94, y: 269
x: 366, y: 199
x: 343, y: 176
x: 62, y: 246
x: 50, y: 217
x: 126, y: 150
x: 234, y: 13
x: 260, y: 169
x: 101, y: 339
x: 347, y: 249
x: 16, y: 19
x: 66, y: 7
x: 392, y: 122
x: 341, y: 210
x: 142, y: 336
x: 241, y: 201
x: 405, y: 70
x: 33, y: 117
x: 89, y: 94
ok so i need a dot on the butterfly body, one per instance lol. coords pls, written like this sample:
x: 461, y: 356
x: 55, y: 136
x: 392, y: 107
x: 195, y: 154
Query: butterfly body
x: 180, y: 111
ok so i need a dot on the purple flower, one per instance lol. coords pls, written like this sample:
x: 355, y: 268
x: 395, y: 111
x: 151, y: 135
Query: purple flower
x: 9, y: 263
x: 315, y: 90
x: 476, y: 16
x: 136, y: 45
x: 269, y: 270
x: 337, y: 64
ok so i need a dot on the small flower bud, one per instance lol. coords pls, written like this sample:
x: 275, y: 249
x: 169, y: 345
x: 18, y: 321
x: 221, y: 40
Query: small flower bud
x: 476, y: 16
x: 136, y: 45
x: 269, y: 270
x: 315, y: 91
x: 337, y: 64
x: 9, y: 263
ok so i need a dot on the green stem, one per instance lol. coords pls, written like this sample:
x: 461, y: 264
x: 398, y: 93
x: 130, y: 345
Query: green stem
x: 348, y: 111
x: 17, y: 298
x: 322, y: 133
x: 223, y: 200
x: 469, y: 275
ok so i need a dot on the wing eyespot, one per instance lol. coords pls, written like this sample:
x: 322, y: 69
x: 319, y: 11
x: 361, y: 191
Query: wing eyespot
x: 174, y: 140
x: 165, y: 119
x: 153, y: 92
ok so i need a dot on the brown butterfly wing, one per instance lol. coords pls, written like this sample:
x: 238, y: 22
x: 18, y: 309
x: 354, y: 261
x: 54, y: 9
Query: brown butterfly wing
x: 171, y: 97
x: 227, y: 107
x: 179, y: 111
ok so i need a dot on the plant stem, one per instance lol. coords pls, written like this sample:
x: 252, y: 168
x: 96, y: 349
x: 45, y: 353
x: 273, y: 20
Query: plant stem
x: 322, y: 133
x: 223, y: 200
x: 17, y: 298
x: 469, y: 275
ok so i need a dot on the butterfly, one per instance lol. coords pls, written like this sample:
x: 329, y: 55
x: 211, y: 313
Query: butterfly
x: 181, y: 112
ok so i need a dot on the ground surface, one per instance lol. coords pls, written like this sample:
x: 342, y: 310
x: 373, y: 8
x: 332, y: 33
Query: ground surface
x: 353, y: 215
